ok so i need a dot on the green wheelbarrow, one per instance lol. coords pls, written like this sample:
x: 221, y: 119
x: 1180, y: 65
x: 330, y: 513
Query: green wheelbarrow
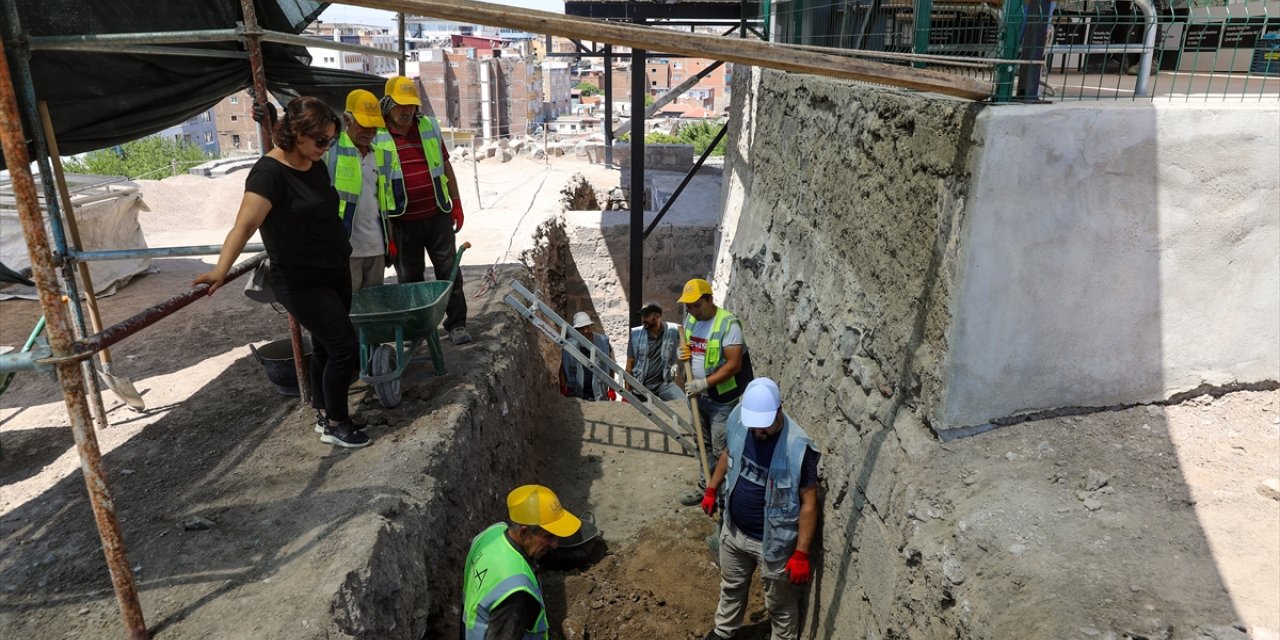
x: 392, y: 322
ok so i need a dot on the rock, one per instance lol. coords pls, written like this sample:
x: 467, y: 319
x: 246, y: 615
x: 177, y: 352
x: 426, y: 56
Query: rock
x: 1095, y: 480
x: 1017, y: 549
x: 1090, y: 631
x: 196, y: 523
x: 1092, y: 504
x: 127, y: 472
x: 1220, y: 632
x: 953, y: 571
x: 1011, y: 456
x: 84, y: 611
x: 1270, y: 488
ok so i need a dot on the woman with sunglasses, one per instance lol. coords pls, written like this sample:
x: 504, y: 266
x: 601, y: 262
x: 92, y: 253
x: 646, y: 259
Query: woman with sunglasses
x: 288, y: 199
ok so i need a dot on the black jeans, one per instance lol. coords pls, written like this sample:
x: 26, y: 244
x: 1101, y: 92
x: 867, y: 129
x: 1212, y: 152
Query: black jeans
x: 320, y: 299
x: 433, y: 236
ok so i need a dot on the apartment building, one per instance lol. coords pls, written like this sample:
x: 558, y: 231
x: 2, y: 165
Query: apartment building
x: 237, y: 133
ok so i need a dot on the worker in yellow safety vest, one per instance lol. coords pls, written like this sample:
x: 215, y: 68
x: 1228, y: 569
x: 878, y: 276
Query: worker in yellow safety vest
x: 365, y: 170
x: 431, y: 221
x: 502, y: 598
x: 720, y: 363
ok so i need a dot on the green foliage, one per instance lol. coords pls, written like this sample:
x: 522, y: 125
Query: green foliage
x: 587, y: 89
x: 700, y: 135
x: 658, y: 137
x: 648, y: 100
x: 140, y: 158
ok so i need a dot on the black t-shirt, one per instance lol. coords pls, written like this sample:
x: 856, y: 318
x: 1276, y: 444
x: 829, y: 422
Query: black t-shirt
x: 746, y: 506
x: 302, y: 230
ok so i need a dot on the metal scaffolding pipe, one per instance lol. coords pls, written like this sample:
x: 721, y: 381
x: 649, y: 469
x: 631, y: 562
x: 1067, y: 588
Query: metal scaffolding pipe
x: 69, y: 372
x: 65, y: 43
x: 151, y: 51
x: 154, y: 252
x: 151, y: 315
x: 307, y: 41
x: 30, y: 105
x: 260, y: 98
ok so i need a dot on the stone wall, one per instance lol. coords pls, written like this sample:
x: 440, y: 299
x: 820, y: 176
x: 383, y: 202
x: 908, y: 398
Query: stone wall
x: 837, y: 249
x: 909, y: 267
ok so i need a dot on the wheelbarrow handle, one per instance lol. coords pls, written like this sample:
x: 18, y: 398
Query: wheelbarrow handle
x: 457, y: 261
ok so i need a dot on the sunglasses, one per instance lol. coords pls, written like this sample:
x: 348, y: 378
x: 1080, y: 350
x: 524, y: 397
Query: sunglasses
x: 323, y: 142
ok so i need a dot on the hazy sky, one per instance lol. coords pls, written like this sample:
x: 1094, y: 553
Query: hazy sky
x: 361, y: 15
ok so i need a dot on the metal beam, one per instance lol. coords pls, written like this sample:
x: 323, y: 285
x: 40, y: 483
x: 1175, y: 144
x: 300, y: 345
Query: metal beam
x: 635, y: 289
x: 687, y: 178
x: 739, y: 51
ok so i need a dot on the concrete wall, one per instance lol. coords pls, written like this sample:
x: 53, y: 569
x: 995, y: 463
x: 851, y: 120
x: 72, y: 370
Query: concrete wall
x: 1114, y: 254
x: 905, y: 263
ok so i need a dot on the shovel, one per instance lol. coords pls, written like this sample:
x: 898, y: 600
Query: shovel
x: 713, y: 540
x: 121, y: 386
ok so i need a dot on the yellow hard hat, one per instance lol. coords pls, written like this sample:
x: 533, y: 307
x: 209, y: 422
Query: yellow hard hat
x: 693, y: 290
x: 402, y: 91
x: 536, y: 505
x: 363, y: 106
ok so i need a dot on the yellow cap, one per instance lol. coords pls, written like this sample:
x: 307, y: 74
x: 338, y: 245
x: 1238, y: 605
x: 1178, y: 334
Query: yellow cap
x: 402, y: 90
x: 694, y: 289
x: 536, y: 505
x: 363, y: 106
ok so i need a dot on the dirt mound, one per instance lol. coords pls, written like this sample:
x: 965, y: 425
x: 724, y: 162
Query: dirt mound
x: 664, y: 585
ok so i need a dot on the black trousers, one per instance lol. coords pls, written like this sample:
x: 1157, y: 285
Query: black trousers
x: 434, y: 237
x: 320, y: 299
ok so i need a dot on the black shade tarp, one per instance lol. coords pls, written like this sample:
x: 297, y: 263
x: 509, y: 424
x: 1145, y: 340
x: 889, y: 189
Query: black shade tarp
x: 98, y: 99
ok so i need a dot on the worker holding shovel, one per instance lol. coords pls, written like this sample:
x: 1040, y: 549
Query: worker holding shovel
x: 769, y: 476
x: 720, y: 366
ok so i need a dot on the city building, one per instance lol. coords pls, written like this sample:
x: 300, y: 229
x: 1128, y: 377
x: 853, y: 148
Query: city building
x: 237, y: 133
x: 199, y: 130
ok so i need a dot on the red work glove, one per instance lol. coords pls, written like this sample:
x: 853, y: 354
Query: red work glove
x: 798, y: 567
x: 457, y: 216
x: 564, y: 390
x: 709, y: 500
x: 392, y: 252
x: 613, y: 396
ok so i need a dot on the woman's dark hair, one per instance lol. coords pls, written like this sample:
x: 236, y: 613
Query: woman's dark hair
x: 303, y: 116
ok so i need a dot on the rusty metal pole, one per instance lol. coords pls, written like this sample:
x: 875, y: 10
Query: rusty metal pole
x: 69, y: 373
x: 253, y: 42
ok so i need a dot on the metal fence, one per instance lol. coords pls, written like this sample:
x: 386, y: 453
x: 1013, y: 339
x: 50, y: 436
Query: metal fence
x: 1059, y: 49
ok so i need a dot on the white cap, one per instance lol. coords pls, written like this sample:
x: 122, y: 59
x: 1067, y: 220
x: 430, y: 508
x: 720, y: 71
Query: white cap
x: 581, y: 319
x: 760, y: 403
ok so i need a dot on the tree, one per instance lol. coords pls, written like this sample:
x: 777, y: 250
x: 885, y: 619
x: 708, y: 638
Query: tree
x: 140, y: 158
x: 587, y: 89
x: 700, y: 135
x: 648, y: 100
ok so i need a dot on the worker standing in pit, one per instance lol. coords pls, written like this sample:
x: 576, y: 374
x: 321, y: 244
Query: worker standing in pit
x: 721, y: 366
x: 769, y: 473
x: 502, y: 598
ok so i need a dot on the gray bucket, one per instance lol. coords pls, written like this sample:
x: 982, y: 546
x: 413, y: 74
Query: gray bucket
x: 276, y: 359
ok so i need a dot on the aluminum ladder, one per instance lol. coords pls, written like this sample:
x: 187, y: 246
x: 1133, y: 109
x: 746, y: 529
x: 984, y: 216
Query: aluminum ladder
x: 601, y: 365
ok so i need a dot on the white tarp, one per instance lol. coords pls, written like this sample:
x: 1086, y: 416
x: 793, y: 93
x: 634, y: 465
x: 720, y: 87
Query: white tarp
x: 107, y: 213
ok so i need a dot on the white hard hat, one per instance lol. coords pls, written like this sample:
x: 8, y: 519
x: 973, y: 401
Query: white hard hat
x: 581, y: 319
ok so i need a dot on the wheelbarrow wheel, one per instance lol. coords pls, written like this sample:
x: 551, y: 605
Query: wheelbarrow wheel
x: 384, y: 362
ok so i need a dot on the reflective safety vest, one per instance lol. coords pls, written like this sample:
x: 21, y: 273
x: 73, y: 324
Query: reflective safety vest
x: 782, y: 484
x: 433, y: 149
x: 732, y: 388
x: 495, y: 570
x: 343, y: 161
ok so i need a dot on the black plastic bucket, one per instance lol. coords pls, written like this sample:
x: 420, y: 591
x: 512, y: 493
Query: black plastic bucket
x: 276, y: 359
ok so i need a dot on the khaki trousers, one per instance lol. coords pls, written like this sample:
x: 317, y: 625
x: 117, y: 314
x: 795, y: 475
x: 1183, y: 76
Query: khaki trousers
x: 739, y: 556
x: 367, y: 272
